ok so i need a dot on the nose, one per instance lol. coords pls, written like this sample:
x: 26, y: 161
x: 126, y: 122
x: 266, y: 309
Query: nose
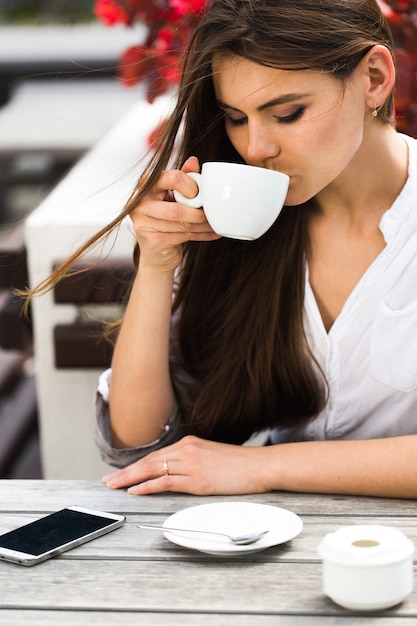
x: 262, y: 146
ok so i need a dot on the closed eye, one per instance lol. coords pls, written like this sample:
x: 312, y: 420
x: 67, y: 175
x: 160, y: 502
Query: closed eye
x: 293, y: 117
x: 280, y: 119
x: 232, y: 121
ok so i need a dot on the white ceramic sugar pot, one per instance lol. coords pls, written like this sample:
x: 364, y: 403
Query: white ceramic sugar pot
x: 367, y: 567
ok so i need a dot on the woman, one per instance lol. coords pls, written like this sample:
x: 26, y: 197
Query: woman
x: 309, y: 331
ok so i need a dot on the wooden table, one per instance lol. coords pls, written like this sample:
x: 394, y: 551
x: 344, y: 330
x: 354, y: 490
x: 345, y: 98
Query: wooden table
x: 135, y: 576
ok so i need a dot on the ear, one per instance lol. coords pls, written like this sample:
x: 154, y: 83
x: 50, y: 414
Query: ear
x: 380, y: 75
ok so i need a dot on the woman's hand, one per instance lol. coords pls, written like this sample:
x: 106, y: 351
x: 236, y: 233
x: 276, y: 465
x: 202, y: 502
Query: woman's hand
x: 162, y: 225
x: 195, y: 466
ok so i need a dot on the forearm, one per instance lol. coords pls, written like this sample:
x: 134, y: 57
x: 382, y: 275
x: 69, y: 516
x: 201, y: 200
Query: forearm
x: 378, y: 467
x: 141, y: 394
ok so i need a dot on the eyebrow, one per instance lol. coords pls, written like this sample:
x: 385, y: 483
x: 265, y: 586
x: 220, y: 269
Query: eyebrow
x: 286, y: 99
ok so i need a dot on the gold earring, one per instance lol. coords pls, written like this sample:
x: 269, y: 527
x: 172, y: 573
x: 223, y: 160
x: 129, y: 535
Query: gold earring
x: 375, y: 111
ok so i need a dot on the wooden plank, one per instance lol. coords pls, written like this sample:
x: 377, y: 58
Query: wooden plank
x: 11, y: 369
x: 81, y: 346
x: 110, y: 618
x: 60, y: 52
x: 105, y: 282
x: 62, y: 119
x: 13, y: 268
x: 28, y: 464
x: 160, y: 586
x: 93, y: 493
x: 18, y: 420
x: 223, y: 586
x: 15, y: 328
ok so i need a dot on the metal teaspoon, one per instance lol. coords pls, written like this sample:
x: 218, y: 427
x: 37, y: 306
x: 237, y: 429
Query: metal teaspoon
x: 240, y: 540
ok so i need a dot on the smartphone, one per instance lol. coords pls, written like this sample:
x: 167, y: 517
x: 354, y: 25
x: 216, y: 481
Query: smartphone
x: 56, y: 533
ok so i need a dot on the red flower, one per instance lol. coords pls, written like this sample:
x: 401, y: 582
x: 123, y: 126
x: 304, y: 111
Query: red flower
x: 392, y: 17
x: 134, y: 65
x: 170, y: 24
x: 158, y: 67
x: 111, y: 12
x: 164, y: 39
x: 188, y: 7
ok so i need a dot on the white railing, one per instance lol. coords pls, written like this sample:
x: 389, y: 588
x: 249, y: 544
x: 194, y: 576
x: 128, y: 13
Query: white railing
x: 86, y: 199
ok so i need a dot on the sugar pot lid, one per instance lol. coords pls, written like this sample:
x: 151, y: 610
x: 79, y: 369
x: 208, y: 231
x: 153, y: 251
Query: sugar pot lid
x: 365, y: 545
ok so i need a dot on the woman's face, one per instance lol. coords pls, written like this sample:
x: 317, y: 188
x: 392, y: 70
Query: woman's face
x: 304, y: 123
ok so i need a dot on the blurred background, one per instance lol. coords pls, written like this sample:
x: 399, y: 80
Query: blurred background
x: 46, y: 11
x: 59, y: 94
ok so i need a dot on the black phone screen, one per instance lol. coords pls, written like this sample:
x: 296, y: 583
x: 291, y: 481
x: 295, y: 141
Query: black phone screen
x: 52, y: 531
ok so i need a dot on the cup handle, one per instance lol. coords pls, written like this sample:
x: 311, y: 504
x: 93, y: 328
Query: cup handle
x: 196, y: 202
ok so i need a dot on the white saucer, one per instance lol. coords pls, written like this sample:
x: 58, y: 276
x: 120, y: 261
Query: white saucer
x: 234, y: 518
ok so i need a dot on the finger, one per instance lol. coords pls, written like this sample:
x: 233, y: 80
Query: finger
x: 176, y: 212
x: 180, y: 181
x: 192, y: 164
x: 151, y: 225
x: 177, y: 484
x: 171, y: 477
x: 168, y: 180
x: 126, y: 477
x: 177, y: 232
x: 148, y: 468
x: 170, y: 211
x: 174, y: 228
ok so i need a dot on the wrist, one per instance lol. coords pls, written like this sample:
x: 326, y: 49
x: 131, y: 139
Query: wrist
x: 159, y: 260
x: 156, y: 269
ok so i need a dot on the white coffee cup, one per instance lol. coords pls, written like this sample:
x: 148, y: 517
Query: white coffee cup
x: 240, y: 201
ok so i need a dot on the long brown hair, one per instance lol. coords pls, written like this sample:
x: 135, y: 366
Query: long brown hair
x: 240, y: 336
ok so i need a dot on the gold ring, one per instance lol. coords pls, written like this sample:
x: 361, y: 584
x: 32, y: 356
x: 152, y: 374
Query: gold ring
x: 165, y: 468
